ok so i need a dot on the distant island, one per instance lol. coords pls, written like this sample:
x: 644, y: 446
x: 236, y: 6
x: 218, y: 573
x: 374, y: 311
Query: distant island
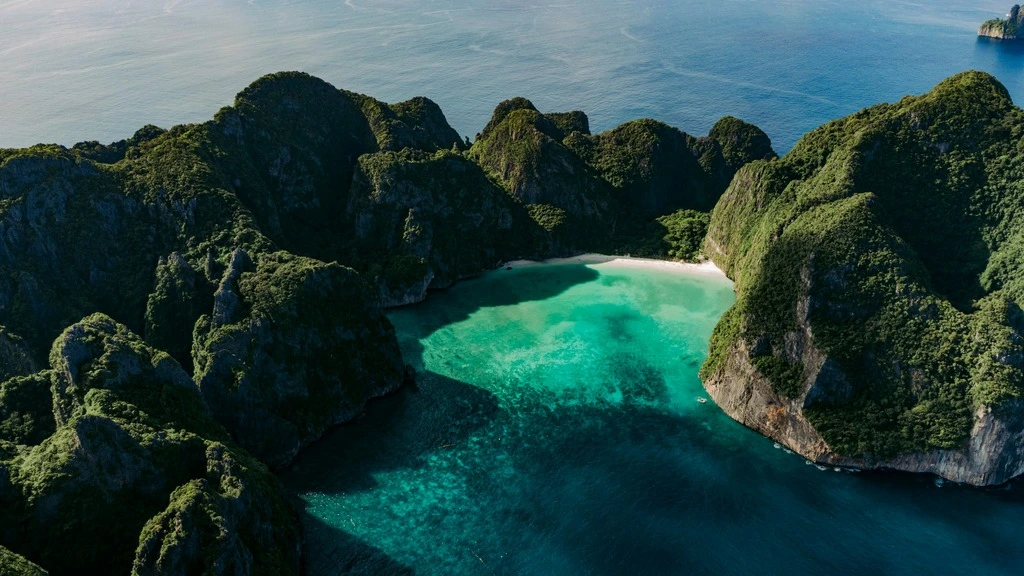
x: 1008, y: 29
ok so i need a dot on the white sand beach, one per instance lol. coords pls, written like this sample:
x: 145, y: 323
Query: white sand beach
x: 703, y: 268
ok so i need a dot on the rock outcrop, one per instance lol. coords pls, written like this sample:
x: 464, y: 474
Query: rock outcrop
x: 253, y: 253
x: 64, y: 226
x: 144, y: 231
x: 287, y: 150
x: 293, y: 346
x: 1012, y: 28
x: 15, y: 356
x: 131, y: 428
x: 604, y: 192
x: 522, y: 149
x: 878, y: 322
x: 418, y: 123
x: 14, y: 565
x: 424, y: 220
x: 655, y: 169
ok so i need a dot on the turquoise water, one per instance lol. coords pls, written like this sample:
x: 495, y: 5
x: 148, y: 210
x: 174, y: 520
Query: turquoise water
x: 72, y: 71
x: 555, y: 429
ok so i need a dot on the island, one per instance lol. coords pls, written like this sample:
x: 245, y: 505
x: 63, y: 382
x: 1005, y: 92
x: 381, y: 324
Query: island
x: 183, y: 311
x: 1008, y: 29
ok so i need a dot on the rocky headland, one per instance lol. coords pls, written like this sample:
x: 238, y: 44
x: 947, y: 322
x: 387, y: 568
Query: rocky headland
x: 1012, y: 28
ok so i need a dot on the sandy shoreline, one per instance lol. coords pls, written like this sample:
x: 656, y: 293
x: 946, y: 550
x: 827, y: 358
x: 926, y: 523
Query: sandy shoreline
x: 707, y: 268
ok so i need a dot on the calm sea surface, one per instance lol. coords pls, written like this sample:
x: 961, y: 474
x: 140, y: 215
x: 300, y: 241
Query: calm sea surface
x: 556, y: 430
x: 73, y: 70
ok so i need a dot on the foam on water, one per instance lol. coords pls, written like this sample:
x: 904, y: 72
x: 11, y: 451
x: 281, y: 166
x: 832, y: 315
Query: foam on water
x: 555, y: 429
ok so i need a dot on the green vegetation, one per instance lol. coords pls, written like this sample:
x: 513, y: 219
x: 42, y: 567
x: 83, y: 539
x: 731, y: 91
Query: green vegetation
x: 685, y: 231
x: 220, y: 242
x: 144, y: 231
x: 427, y: 219
x: 569, y: 122
x: 26, y: 412
x: 292, y: 347
x: 417, y: 124
x: 15, y: 565
x: 548, y: 217
x: 889, y: 235
x: 130, y: 427
x: 1010, y: 28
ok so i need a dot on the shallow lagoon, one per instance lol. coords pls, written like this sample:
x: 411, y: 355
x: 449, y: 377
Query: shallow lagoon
x: 555, y: 429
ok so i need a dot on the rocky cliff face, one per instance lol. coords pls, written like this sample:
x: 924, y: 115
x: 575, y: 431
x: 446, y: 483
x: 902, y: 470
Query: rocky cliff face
x: 423, y: 221
x: 655, y: 169
x: 878, y: 325
x: 15, y: 356
x: 226, y: 245
x: 64, y: 223
x: 292, y: 347
x: 522, y: 149
x: 287, y: 150
x: 418, y: 124
x: 145, y: 230
x: 604, y: 192
x: 533, y: 185
x: 1009, y: 29
x: 128, y: 427
x: 16, y: 565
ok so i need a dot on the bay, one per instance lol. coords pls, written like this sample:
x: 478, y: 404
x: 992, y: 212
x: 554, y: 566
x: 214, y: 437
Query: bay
x: 556, y: 428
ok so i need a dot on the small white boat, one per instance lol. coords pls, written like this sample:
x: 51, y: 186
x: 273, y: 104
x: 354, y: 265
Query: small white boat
x: 939, y: 482
x: 808, y: 462
x: 838, y: 469
x: 777, y: 446
x: 702, y: 399
x: 822, y: 468
x: 787, y: 450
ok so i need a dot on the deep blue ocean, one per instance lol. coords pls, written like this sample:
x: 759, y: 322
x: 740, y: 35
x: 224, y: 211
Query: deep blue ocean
x: 98, y: 70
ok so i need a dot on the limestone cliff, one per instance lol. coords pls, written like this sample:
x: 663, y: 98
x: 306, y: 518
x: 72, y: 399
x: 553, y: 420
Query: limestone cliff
x: 423, y: 221
x: 292, y: 347
x: 418, y: 123
x: 145, y: 231
x: 522, y: 149
x: 1011, y: 28
x: 130, y: 428
x: 654, y: 169
x: 878, y: 277
x: 13, y: 564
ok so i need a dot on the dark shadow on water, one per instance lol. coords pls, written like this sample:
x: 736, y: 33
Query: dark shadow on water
x: 1004, y: 48
x: 339, y: 553
x: 458, y: 302
x: 403, y: 429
